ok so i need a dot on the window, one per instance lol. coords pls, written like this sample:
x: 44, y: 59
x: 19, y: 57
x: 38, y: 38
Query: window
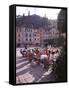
x: 30, y: 39
x: 35, y: 38
x: 30, y: 35
x: 26, y: 39
x: 34, y: 34
x: 18, y: 35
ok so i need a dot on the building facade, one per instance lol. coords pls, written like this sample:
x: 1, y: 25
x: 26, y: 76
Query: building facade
x: 31, y: 36
x: 27, y: 36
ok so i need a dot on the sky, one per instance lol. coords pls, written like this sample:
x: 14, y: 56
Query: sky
x: 50, y: 13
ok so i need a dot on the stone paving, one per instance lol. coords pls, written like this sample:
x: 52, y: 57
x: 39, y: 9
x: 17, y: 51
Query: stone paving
x: 31, y: 72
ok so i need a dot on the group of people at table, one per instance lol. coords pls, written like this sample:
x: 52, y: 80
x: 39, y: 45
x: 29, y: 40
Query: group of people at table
x: 45, y: 56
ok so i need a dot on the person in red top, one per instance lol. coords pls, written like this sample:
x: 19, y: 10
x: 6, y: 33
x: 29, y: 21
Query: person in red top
x: 37, y: 52
x: 29, y: 56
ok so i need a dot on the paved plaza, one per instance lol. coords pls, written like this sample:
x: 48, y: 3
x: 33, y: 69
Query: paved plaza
x: 31, y: 72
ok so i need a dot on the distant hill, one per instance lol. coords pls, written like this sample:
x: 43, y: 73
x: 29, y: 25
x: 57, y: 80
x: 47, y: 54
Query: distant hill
x: 34, y: 21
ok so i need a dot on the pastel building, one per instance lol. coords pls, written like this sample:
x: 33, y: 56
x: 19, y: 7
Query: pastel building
x: 27, y: 36
x: 31, y: 36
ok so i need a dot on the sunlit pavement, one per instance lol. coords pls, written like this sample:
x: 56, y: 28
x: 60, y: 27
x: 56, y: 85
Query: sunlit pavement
x: 31, y: 72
